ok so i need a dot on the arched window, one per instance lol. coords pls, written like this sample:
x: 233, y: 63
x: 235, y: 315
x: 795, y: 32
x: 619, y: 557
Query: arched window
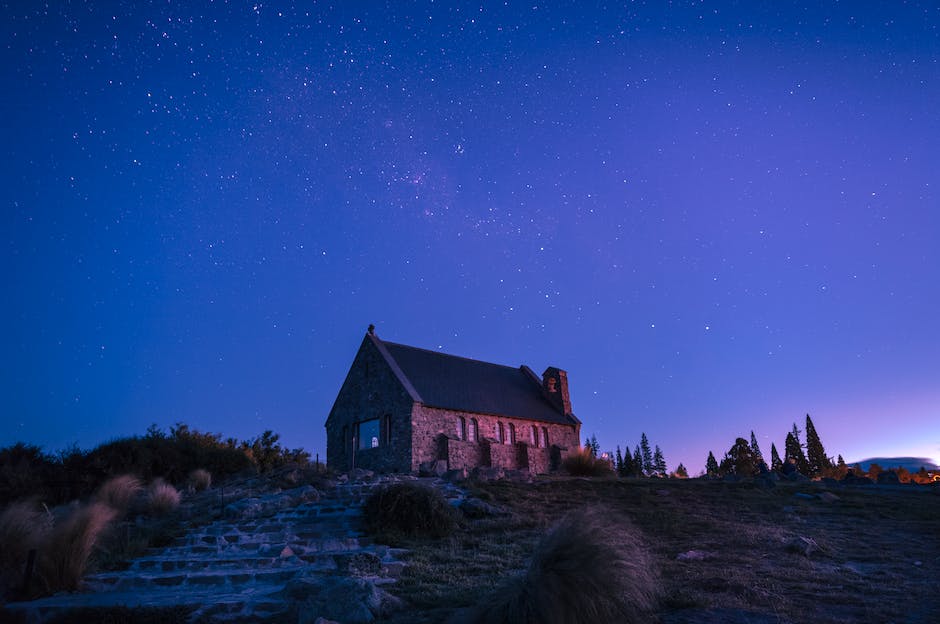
x: 512, y: 434
x: 461, y: 428
x: 500, y: 434
x: 534, y: 435
x: 474, y: 432
x: 545, y: 437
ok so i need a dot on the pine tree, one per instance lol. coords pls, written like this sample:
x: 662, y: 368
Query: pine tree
x: 594, y: 446
x: 739, y: 460
x: 681, y: 472
x: 711, y: 465
x: 840, y: 462
x: 648, y: 467
x: 637, y: 462
x: 775, y: 463
x: 618, y: 465
x: 794, y: 452
x: 659, y: 462
x: 755, y: 449
x: 627, y: 469
x: 816, y: 458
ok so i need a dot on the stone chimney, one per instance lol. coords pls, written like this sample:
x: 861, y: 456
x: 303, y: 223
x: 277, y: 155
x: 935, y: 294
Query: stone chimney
x: 555, y: 385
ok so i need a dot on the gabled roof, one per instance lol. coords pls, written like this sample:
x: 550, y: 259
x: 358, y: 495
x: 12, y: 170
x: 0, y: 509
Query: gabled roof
x: 451, y: 382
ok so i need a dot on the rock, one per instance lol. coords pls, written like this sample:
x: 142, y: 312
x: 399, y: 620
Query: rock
x: 828, y: 497
x: 796, y: 477
x: 360, y: 474
x: 323, y: 620
x: 459, y: 474
x: 487, y: 473
x: 432, y: 468
x: 804, y: 496
x: 731, y: 478
x: 767, y: 479
x: 853, y: 479
x: 888, y: 477
x: 694, y: 555
x: 801, y: 545
x: 476, y: 508
x: 829, y: 481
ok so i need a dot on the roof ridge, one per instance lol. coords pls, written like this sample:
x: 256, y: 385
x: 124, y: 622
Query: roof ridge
x: 451, y: 355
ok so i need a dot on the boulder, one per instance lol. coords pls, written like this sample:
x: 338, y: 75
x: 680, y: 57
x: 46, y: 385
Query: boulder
x: 828, y: 497
x: 476, y: 508
x: 349, y: 600
x: 487, y: 473
x: 360, y: 474
x: 694, y: 555
x: 801, y: 545
x: 460, y: 474
x: 434, y: 468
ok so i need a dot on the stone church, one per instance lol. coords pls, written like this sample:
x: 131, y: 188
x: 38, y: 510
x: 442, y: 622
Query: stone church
x: 402, y: 406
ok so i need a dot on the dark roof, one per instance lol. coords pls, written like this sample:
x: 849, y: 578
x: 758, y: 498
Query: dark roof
x: 462, y: 384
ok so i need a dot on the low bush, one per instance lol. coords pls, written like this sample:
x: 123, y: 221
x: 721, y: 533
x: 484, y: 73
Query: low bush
x: 587, y: 569
x: 162, y: 497
x: 200, y: 480
x: 119, y: 492
x: 64, y: 556
x: 408, y: 509
x: 22, y: 528
x: 583, y: 463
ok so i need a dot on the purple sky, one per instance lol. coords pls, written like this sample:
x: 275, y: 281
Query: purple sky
x: 716, y: 217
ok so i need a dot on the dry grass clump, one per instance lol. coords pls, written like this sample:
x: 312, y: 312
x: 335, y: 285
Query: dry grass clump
x: 119, y: 492
x: 65, y: 554
x: 408, y: 509
x: 22, y: 528
x: 200, y: 480
x: 162, y: 497
x: 583, y: 463
x: 587, y: 569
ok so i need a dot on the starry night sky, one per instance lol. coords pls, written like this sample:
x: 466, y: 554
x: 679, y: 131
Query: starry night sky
x: 717, y: 217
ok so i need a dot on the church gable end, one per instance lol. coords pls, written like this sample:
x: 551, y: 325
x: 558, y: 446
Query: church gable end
x: 401, y: 407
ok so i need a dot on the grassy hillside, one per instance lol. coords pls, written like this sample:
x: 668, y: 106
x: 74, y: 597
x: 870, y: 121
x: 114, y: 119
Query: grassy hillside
x: 794, y: 553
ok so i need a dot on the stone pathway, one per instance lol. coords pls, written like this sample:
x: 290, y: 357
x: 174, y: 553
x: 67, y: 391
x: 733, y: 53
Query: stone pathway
x: 270, y: 554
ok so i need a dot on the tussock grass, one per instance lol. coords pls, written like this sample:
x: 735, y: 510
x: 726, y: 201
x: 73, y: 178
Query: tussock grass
x: 587, y: 569
x: 119, y: 492
x: 64, y: 556
x: 162, y: 497
x: 200, y: 480
x: 22, y: 527
x: 408, y: 509
x: 582, y: 463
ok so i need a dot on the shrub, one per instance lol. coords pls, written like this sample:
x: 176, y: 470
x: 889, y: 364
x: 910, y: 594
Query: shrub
x: 22, y: 527
x: 119, y: 492
x: 64, y: 556
x: 200, y: 479
x: 583, y: 463
x: 162, y: 497
x: 587, y: 569
x: 408, y: 509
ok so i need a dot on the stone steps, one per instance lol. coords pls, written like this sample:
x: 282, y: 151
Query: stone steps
x: 237, y: 568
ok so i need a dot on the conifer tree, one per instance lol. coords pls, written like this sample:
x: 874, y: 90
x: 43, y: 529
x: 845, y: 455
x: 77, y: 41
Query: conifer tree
x: 739, y: 460
x: 711, y: 465
x: 816, y: 458
x: 775, y: 463
x: 755, y: 449
x: 648, y: 467
x: 637, y: 461
x: 681, y: 472
x: 594, y: 445
x: 618, y: 465
x: 659, y: 462
x: 794, y: 452
x: 627, y: 469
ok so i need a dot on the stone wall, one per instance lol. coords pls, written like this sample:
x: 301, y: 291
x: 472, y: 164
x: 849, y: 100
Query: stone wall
x: 430, y: 423
x: 370, y: 391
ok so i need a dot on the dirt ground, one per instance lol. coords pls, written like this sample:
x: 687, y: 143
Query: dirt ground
x: 792, y: 553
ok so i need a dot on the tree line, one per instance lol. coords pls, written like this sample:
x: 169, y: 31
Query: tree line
x: 644, y: 461
x: 807, y: 457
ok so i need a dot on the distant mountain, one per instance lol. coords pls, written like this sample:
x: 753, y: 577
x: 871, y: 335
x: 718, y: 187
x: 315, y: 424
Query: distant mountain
x: 912, y: 464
